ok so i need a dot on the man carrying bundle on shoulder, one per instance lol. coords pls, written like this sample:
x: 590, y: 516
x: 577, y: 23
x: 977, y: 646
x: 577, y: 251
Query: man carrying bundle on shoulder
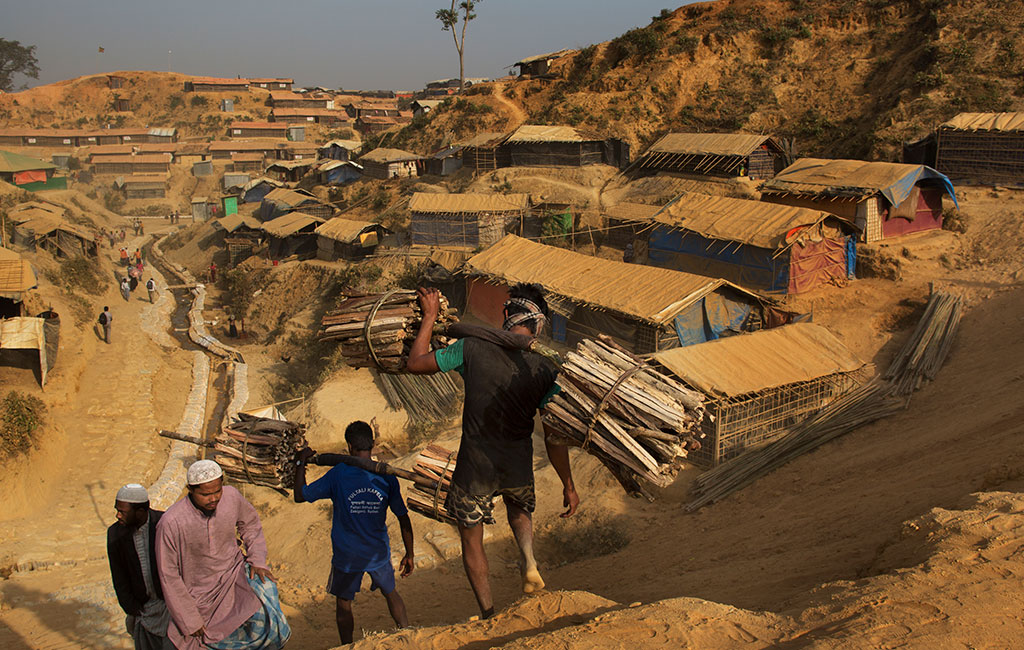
x: 359, y: 534
x: 505, y: 386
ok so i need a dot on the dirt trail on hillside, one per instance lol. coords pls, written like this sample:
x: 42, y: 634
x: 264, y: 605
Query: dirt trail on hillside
x: 519, y: 116
x: 126, y: 392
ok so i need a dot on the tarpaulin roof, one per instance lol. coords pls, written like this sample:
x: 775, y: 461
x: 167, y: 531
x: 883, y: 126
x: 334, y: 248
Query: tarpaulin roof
x: 343, y: 230
x: 261, y: 179
x: 647, y: 293
x: 837, y: 178
x: 16, y: 275
x: 289, y: 224
x: 986, y: 122
x: 15, y: 162
x: 349, y: 145
x: 536, y: 133
x: 326, y: 164
x: 718, y: 144
x: 429, y: 203
x: 756, y: 223
x: 384, y: 155
x: 541, y: 57
x: 233, y: 222
x: 757, y: 361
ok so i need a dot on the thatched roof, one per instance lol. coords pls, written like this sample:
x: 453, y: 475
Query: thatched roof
x: 289, y: 224
x: 533, y: 133
x: 762, y: 360
x: 716, y: 144
x: 343, y: 230
x: 646, y: 293
x: 985, y: 122
x: 384, y: 156
x: 429, y: 203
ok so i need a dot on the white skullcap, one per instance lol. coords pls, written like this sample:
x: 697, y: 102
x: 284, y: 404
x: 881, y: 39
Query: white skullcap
x: 203, y: 471
x: 132, y: 493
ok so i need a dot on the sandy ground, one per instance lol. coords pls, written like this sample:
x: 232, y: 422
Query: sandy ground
x: 897, y: 535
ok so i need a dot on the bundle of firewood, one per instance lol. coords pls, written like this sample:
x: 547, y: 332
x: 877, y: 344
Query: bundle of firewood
x: 260, y: 451
x: 637, y: 421
x: 377, y: 330
x: 437, y: 464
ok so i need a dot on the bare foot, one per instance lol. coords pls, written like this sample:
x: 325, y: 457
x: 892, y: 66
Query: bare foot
x: 532, y: 581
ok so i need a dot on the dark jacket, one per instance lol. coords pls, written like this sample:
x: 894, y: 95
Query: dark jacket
x: 125, y: 569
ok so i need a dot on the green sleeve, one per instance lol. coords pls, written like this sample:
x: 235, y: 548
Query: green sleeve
x: 450, y: 358
x: 554, y: 390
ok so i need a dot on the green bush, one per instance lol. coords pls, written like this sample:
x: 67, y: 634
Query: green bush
x: 78, y: 273
x: 199, y: 100
x: 20, y: 416
x: 640, y: 43
x: 113, y: 201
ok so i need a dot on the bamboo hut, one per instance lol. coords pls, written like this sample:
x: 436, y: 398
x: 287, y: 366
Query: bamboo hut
x: 390, y: 163
x: 292, y: 234
x: 16, y: 278
x: 143, y: 186
x: 758, y: 245
x: 761, y: 384
x: 644, y: 308
x: 532, y: 145
x: 882, y: 199
x: 348, y: 239
x: 483, y: 152
x: 282, y: 201
x: 716, y: 154
x: 982, y: 147
x: 469, y: 220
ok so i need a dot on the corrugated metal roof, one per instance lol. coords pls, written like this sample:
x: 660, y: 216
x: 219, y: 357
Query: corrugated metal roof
x: 164, y: 132
x: 536, y: 133
x: 289, y: 224
x: 758, y: 361
x: 986, y: 122
x: 647, y: 293
x: 429, y: 203
x: 383, y: 155
x: 16, y: 275
x: 718, y: 144
x: 540, y: 57
x: 757, y: 223
x: 343, y: 230
x: 15, y: 162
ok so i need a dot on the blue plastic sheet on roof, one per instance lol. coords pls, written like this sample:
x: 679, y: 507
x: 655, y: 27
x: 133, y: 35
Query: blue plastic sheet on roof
x: 708, y: 318
x: 901, y: 189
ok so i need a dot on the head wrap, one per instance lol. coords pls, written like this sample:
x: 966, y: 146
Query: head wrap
x: 203, y: 471
x: 132, y: 493
x: 532, y: 312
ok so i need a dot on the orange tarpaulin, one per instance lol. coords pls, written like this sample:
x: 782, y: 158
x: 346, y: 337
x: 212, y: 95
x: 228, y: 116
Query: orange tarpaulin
x: 31, y: 176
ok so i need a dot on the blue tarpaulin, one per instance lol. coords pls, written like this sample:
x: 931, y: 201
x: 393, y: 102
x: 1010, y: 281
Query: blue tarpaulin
x: 708, y: 318
x: 748, y: 266
x: 901, y: 189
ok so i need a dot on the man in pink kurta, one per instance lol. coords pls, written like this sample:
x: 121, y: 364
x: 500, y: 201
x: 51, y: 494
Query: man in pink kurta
x: 202, y: 568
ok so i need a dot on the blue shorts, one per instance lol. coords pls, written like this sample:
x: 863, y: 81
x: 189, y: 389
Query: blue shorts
x: 346, y: 585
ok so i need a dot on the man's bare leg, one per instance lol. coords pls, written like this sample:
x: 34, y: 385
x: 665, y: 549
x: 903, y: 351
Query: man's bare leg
x: 474, y: 560
x: 521, y: 523
x: 346, y: 623
x: 397, y: 608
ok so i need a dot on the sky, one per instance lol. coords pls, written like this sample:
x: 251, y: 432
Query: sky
x: 370, y: 44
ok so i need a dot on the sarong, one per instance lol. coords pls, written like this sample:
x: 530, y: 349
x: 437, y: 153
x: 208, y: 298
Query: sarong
x: 267, y: 629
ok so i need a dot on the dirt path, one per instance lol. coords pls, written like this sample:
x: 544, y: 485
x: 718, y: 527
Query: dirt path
x: 519, y: 115
x: 126, y: 392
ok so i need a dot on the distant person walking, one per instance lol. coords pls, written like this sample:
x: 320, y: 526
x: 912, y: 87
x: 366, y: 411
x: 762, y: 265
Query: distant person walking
x: 151, y: 288
x: 124, y: 256
x: 126, y: 289
x: 213, y: 272
x: 106, y: 319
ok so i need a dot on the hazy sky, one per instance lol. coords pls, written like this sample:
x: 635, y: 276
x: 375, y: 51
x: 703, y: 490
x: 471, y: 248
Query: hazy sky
x: 395, y: 44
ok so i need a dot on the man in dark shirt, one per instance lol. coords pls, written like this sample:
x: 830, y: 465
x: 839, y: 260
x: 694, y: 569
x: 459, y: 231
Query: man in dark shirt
x: 504, y: 389
x: 359, y: 534
x: 131, y: 551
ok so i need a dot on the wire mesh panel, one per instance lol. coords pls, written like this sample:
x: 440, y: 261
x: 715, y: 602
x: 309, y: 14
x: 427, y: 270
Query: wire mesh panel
x: 750, y: 421
x: 983, y: 155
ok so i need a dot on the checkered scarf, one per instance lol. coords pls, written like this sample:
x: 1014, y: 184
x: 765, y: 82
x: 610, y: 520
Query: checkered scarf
x: 532, y: 312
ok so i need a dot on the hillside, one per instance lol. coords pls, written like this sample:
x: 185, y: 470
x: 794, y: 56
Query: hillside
x: 844, y: 78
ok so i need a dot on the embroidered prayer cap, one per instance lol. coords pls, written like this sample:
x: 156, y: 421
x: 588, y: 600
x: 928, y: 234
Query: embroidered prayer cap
x: 203, y: 471
x: 132, y: 493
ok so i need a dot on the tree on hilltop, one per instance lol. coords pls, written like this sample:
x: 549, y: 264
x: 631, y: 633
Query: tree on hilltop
x: 16, y: 58
x: 449, y: 21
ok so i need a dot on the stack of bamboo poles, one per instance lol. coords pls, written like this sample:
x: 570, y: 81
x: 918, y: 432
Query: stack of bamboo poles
x: 924, y: 352
x: 637, y: 421
x: 437, y: 464
x: 919, y: 359
x: 426, y: 398
x: 377, y: 330
x: 255, y: 450
x: 856, y: 408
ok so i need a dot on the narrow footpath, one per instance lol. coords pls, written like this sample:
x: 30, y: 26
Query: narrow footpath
x: 126, y: 392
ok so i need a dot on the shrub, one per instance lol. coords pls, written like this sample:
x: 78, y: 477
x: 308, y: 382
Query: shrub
x: 20, y: 416
x: 113, y: 201
x: 640, y: 43
x: 241, y: 286
x: 954, y: 221
x: 199, y: 100
x: 78, y: 273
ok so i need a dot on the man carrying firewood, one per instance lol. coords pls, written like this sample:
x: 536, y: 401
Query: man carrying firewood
x: 359, y: 534
x: 505, y: 386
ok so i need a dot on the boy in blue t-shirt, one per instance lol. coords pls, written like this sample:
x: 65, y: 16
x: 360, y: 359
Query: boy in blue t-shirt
x: 359, y: 532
